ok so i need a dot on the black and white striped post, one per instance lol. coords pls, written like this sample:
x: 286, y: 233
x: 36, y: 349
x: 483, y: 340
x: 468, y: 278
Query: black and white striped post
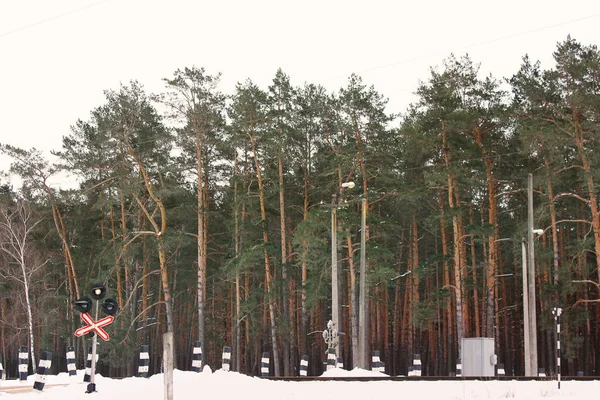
x: 376, y: 364
x: 71, y: 365
x: 501, y: 370
x: 331, y: 359
x: 458, y: 367
x: 416, y: 365
x: 43, y: 368
x: 144, y: 362
x: 226, y: 358
x: 375, y: 360
x: 557, y: 311
x: 87, y: 377
x: 304, y: 366
x: 23, y: 363
x: 197, y: 356
x: 264, y: 364
x: 1, y: 368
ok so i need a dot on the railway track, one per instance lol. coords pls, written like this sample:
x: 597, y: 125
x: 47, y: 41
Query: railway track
x: 25, y: 389
x: 428, y: 378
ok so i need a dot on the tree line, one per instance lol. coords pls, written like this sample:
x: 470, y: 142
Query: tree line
x: 209, y: 215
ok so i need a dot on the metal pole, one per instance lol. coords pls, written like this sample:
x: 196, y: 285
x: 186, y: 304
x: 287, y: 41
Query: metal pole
x: 92, y: 384
x: 334, y: 270
x: 531, y: 278
x: 557, y: 311
x: 362, y: 301
x: 526, y: 349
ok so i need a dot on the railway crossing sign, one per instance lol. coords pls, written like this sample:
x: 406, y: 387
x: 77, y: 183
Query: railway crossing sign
x: 95, y: 326
x: 84, y: 306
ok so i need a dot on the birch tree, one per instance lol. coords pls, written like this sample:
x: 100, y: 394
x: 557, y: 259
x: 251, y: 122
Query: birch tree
x: 17, y: 225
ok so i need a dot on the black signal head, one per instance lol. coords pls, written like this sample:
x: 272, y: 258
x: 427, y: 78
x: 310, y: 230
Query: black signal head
x: 83, y: 304
x: 110, y: 307
x: 98, y: 291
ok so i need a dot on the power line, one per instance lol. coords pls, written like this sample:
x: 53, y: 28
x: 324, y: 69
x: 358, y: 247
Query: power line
x: 4, y: 34
x: 498, y: 39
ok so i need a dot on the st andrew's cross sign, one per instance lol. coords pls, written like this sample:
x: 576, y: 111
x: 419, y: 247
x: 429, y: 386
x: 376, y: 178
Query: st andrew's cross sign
x: 94, y: 326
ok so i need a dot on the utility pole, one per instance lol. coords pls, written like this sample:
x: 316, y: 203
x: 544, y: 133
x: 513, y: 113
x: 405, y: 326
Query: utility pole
x: 362, y: 297
x: 526, y: 347
x: 334, y: 268
x: 533, y: 360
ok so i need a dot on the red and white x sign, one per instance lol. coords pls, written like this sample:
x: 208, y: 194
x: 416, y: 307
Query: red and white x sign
x: 94, y: 326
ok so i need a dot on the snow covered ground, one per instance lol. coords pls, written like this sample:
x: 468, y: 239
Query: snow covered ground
x: 231, y: 385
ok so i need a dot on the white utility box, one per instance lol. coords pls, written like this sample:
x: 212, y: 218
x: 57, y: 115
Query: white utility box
x: 478, y: 358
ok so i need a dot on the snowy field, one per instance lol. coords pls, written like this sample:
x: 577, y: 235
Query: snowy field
x: 232, y: 385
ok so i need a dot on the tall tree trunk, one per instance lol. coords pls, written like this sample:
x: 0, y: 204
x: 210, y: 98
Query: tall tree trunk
x: 492, y: 245
x: 248, y: 344
x: 62, y: 233
x: 491, y: 267
x: 456, y: 230
x: 415, y: 278
x: 447, y: 324
x: 118, y: 257
x: 287, y: 369
x: 407, y: 316
x: 552, y: 206
x: 397, y: 324
x: 124, y: 250
x: 385, y: 323
x: 580, y: 141
x: 292, y: 286
x: 201, y: 288
x: 476, y: 316
x: 464, y: 271
x: 268, y: 277
x: 593, y: 198
x: 205, y: 208
x: 353, y: 299
x: 159, y: 232
x: 304, y: 323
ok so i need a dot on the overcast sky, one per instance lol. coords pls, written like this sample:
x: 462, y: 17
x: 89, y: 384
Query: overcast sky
x: 57, y: 56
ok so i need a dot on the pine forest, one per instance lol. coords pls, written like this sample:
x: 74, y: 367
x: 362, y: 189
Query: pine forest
x: 211, y: 215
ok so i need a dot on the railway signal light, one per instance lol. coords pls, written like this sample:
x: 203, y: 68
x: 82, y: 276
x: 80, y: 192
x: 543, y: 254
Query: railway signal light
x: 98, y: 291
x: 83, y: 305
x: 110, y: 307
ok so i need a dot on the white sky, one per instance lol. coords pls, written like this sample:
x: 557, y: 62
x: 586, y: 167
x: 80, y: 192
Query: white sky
x: 231, y: 385
x: 57, y: 57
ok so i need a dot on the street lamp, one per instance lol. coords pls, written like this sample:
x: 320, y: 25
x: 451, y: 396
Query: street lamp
x: 335, y: 316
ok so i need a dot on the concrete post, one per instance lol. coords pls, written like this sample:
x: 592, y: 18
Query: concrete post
x: 533, y: 361
x: 168, y: 364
